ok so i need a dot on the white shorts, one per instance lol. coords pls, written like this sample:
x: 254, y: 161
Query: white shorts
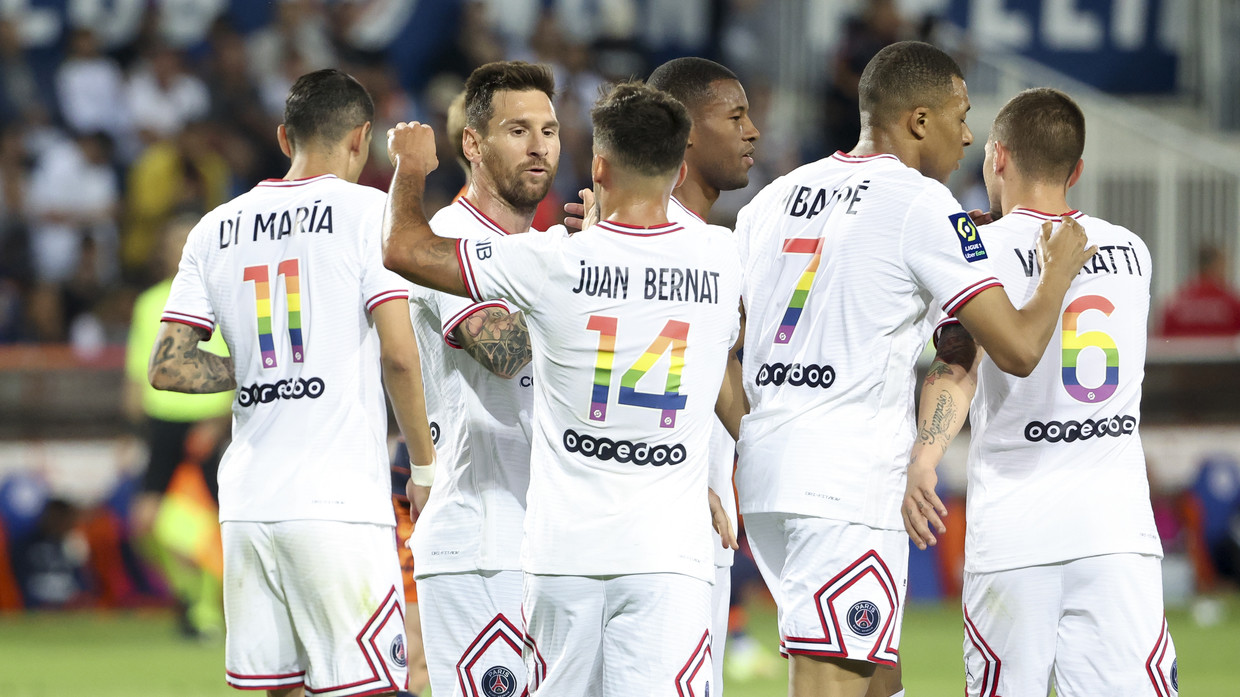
x: 618, y: 636
x: 720, y: 607
x: 471, y: 631
x: 1091, y: 626
x: 315, y: 603
x: 838, y: 586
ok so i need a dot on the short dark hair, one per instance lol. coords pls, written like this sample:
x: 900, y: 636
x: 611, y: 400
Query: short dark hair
x: 1044, y: 130
x: 324, y: 105
x: 904, y: 76
x: 641, y: 128
x: 485, y: 81
x: 689, y: 79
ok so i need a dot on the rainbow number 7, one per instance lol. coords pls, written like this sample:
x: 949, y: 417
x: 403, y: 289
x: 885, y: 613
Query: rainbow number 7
x: 799, y: 245
x: 290, y: 270
x: 673, y: 337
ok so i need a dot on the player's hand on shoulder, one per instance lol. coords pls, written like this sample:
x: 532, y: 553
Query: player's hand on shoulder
x: 1063, y: 251
x: 583, y: 214
x: 981, y: 217
x: 412, y: 145
x: 922, y: 509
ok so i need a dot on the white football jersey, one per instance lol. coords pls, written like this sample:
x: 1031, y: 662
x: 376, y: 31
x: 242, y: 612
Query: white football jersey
x: 722, y: 447
x: 474, y: 517
x: 845, y: 261
x: 631, y: 328
x: 1056, y: 469
x: 289, y: 272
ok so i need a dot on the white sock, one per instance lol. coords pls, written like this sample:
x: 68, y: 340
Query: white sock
x: 899, y: 694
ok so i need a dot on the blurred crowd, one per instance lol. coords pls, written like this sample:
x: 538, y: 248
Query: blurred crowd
x: 118, y: 117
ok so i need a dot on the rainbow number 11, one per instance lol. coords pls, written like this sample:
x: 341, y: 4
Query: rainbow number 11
x: 672, y: 337
x: 260, y: 275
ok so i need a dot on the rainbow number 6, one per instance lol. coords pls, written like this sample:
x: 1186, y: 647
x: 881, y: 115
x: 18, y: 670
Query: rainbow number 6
x: 1074, y: 343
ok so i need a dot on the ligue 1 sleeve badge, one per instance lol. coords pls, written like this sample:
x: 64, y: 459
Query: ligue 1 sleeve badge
x: 970, y: 239
x: 864, y: 618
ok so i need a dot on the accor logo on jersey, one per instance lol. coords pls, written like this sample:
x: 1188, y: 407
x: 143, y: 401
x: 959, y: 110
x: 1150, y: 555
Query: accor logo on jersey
x: 795, y: 374
x: 1072, y: 431
x: 623, y: 450
x: 293, y: 388
x: 498, y: 681
x: 970, y: 238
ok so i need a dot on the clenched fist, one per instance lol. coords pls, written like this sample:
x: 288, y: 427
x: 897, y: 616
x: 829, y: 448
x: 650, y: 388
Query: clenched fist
x: 411, y: 147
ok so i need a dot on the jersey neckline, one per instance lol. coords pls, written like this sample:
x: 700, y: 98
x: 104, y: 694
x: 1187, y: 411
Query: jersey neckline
x: 1040, y: 215
x: 842, y: 156
x: 482, y: 217
x: 627, y: 229
x: 687, y: 209
x: 296, y: 182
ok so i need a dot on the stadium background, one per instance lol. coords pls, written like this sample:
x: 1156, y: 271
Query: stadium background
x: 117, y: 114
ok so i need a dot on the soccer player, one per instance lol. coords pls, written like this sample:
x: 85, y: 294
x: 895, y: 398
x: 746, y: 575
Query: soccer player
x: 631, y: 322
x: 845, y: 260
x: 467, y: 544
x: 291, y: 273
x: 718, y: 156
x: 1062, y: 583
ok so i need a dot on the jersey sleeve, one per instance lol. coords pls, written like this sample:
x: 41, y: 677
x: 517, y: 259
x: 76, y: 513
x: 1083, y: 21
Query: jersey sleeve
x: 943, y: 249
x: 455, y: 309
x: 379, y: 285
x: 511, y: 268
x: 188, y: 301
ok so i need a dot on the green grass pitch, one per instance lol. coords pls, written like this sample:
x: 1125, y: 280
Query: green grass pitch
x: 137, y: 654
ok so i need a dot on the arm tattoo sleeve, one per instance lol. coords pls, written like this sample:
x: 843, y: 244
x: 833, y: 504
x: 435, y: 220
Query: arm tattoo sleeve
x: 937, y: 430
x: 177, y: 364
x: 496, y: 339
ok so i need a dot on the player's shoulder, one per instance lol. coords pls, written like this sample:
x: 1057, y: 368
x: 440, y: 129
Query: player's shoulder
x: 462, y: 219
x: 1105, y: 232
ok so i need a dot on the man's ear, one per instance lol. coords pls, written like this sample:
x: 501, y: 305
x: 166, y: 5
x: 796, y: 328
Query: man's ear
x: 361, y: 139
x: 917, y: 121
x: 1076, y: 173
x: 1002, y: 158
x: 471, y: 145
x: 680, y: 176
x: 282, y: 138
x: 600, y: 169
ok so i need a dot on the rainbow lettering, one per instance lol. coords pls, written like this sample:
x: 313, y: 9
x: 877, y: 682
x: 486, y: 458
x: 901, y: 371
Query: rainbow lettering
x: 262, y: 310
x: 606, y: 327
x: 261, y: 276
x: 799, y: 245
x: 290, y: 269
x: 1074, y: 343
x: 674, y: 335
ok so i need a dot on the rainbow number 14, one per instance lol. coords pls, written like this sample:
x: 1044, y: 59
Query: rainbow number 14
x: 671, y: 338
x: 260, y: 275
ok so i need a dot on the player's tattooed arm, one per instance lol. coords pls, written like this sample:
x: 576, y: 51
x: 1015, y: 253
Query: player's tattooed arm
x: 178, y: 365
x: 945, y: 395
x: 410, y: 248
x: 497, y: 339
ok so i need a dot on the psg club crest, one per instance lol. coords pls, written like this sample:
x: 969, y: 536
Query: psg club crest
x: 399, y: 656
x: 864, y: 618
x: 499, y: 682
x: 1175, y: 674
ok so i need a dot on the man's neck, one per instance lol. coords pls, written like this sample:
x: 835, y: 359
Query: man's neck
x: 876, y: 141
x: 305, y: 166
x: 484, y: 197
x: 633, y: 208
x: 1043, y: 197
x: 696, y: 195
